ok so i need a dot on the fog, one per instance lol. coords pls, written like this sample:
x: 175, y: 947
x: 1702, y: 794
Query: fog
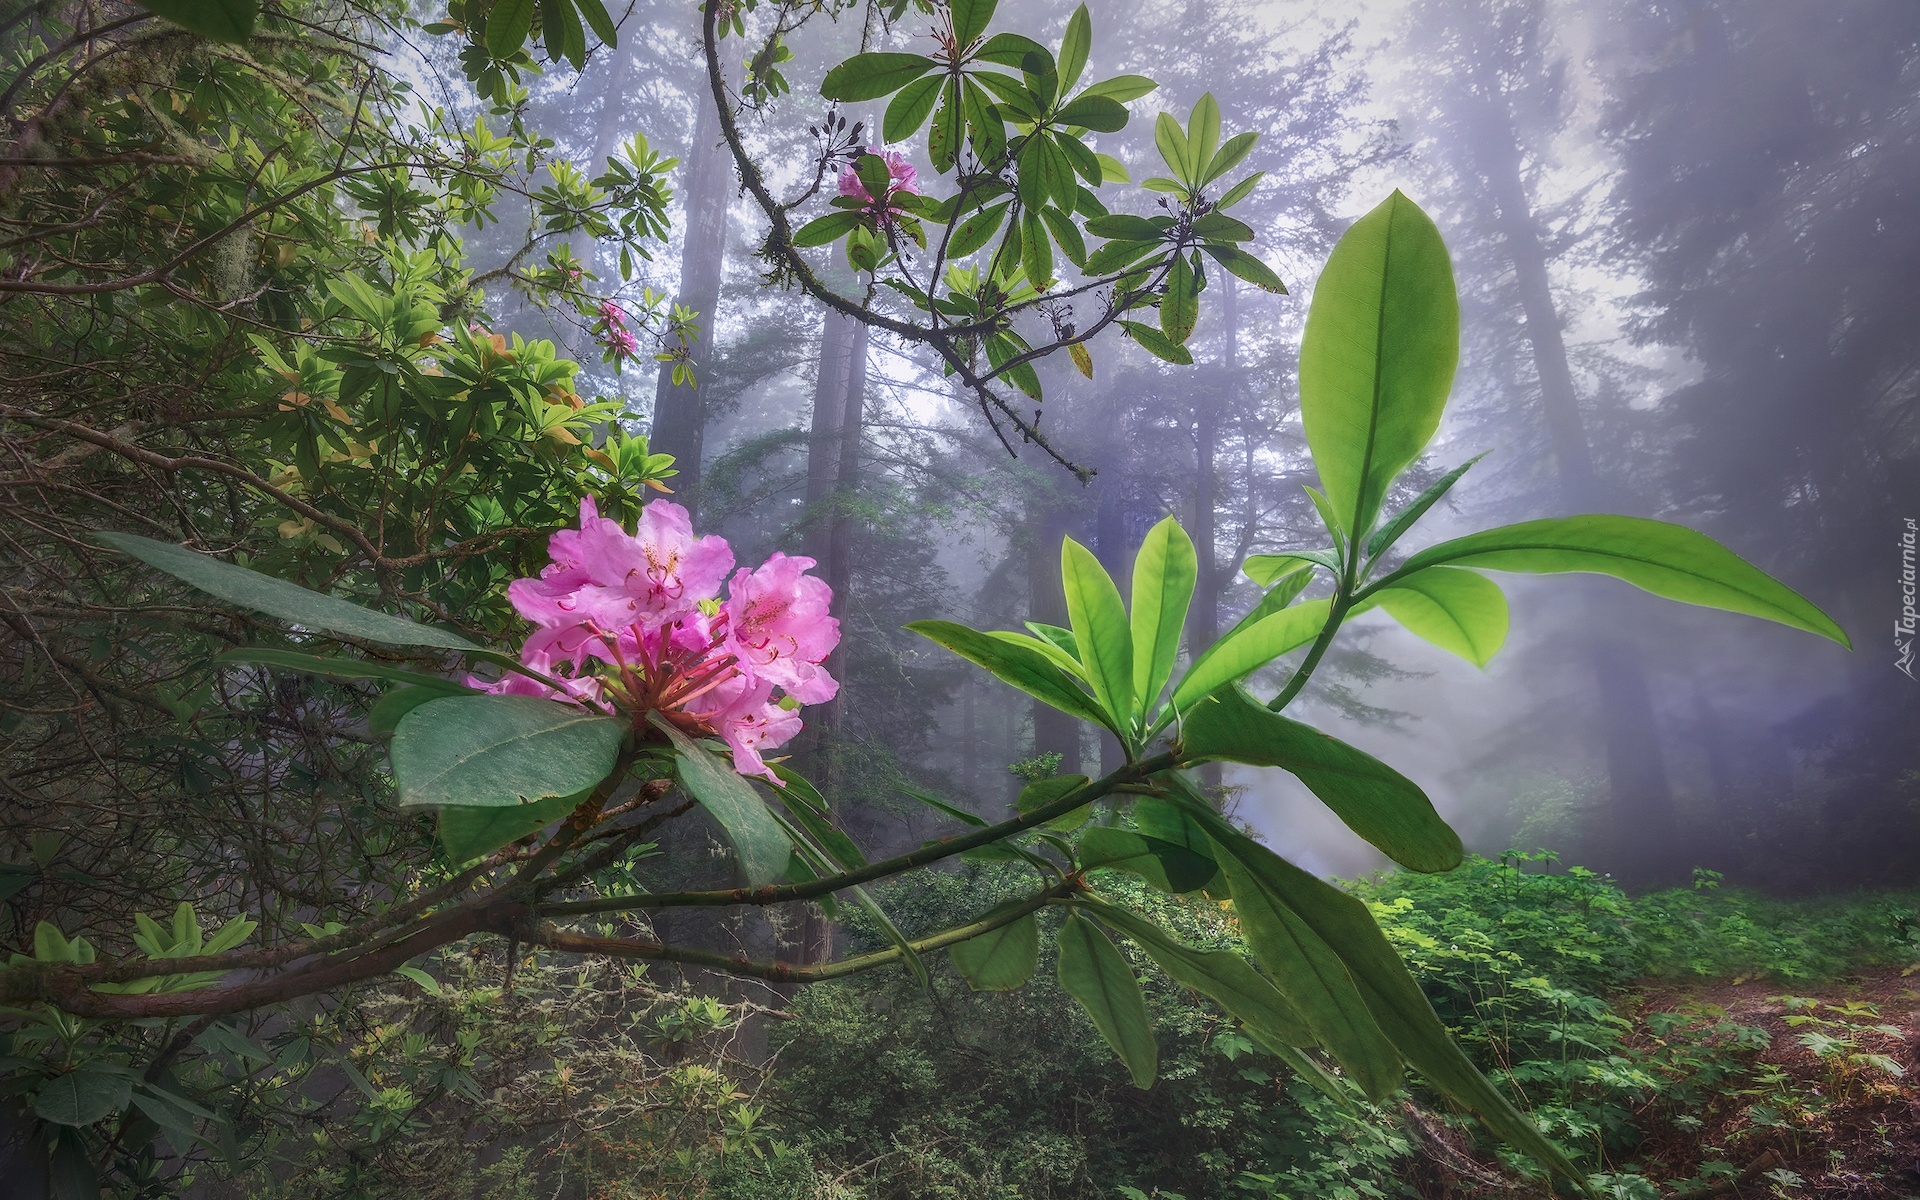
x: 1684, y: 244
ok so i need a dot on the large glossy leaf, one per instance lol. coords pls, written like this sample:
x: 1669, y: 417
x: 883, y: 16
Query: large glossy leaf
x: 1246, y: 995
x: 1459, y: 611
x: 1166, y: 865
x: 873, y: 75
x: 82, y: 1097
x: 1265, y: 569
x: 1074, y: 45
x: 1234, y: 656
x: 216, y: 20
x: 1100, y: 629
x: 1667, y: 560
x: 1000, y: 959
x: 1164, y: 573
x: 468, y: 833
x: 501, y: 751
x: 1389, y: 991
x: 277, y: 598
x: 1023, y: 667
x: 508, y: 24
x: 1246, y: 266
x: 1312, y: 978
x: 759, y: 843
x: 1374, y: 800
x: 1377, y: 357
x: 1403, y: 520
x: 337, y: 668
x: 1093, y: 972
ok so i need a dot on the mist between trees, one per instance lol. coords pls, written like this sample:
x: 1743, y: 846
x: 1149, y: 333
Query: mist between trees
x: 366, y: 298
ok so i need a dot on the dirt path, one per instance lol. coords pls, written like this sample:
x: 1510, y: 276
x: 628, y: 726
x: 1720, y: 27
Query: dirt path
x: 1829, y: 1081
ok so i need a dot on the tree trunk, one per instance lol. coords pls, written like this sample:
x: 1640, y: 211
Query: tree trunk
x: 1645, y: 823
x: 679, y: 410
x: 1053, y: 731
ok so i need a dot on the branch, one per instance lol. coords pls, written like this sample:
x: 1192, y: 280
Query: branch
x: 925, y: 856
x: 778, y: 971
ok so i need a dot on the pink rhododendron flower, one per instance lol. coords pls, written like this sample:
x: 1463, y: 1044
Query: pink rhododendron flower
x: 635, y: 623
x: 621, y: 341
x: 901, y: 177
x: 612, y: 313
x: 777, y: 624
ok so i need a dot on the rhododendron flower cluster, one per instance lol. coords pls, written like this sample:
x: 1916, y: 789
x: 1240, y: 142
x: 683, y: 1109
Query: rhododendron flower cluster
x: 621, y: 344
x: 636, y: 623
x: 901, y: 177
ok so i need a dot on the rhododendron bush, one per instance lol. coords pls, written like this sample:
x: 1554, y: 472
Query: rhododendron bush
x: 657, y: 666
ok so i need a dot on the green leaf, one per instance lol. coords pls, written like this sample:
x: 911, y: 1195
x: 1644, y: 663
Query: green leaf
x: 1230, y: 155
x: 1668, y: 560
x: 82, y: 1097
x: 1306, y: 970
x: 977, y: 230
x: 470, y: 833
x: 873, y: 75
x: 1112, y: 170
x: 1121, y: 87
x: 1093, y: 972
x: 1125, y: 227
x: 1102, y: 114
x: 1067, y: 236
x: 387, y: 712
x: 1057, y: 653
x: 1042, y: 792
x: 1377, y: 357
x: 822, y: 230
x: 1000, y: 959
x: 1391, y: 532
x: 1239, y: 191
x: 564, y: 35
x: 1203, y: 137
x: 1074, y: 45
x: 508, y: 23
x: 278, y: 598
x: 1246, y: 266
x: 1374, y: 800
x: 1459, y: 611
x: 970, y: 19
x: 1023, y: 668
x: 1336, y: 527
x: 600, y: 22
x: 229, y: 21
x: 1180, y: 306
x: 986, y: 132
x: 1170, y: 867
x: 1233, y: 657
x: 1153, y: 342
x: 1036, y: 250
x: 759, y: 843
x: 337, y: 668
x: 1164, y: 574
x: 909, y: 110
x: 934, y: 802
x: 1264, y: 569
x: 943, y: 138
x: 501, y: 751
x: 1172, y: 143
x: 1390, y: 994
x: 1243, y: 992
x: 1100, y: 628
x: 1009, y: 49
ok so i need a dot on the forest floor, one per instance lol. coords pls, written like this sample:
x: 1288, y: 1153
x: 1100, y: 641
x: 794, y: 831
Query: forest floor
x: 1827, y: 1105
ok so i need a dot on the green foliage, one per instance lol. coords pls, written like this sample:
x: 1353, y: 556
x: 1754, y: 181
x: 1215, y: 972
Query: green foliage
x: 500, y: 751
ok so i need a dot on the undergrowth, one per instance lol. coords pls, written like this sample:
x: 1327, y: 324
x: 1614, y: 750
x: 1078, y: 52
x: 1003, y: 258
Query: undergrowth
x: 1543, y: 973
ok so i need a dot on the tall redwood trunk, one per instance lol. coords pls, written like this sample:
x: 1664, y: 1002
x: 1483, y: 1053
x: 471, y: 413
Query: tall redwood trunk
x: 1645, y: 823
x: 679, y: 409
